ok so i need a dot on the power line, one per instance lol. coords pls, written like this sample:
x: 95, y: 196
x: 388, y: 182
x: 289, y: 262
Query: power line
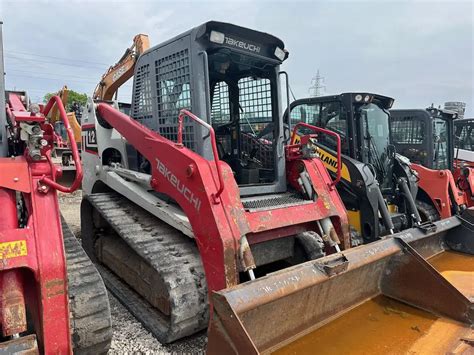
x: 56, y: 79
x: 53, y: 74
x: 50, y: 62
x: 54, y: 57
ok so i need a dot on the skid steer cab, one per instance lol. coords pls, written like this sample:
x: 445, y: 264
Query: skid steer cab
x: 426, y: 138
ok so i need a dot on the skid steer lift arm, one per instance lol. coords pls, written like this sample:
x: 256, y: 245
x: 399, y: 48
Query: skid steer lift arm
x: 325, y: 131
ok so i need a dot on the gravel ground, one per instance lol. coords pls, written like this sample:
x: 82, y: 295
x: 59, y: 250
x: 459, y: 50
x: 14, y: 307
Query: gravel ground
x: 129, y: 335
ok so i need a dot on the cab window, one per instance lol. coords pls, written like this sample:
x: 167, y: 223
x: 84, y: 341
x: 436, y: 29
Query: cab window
x: 334, y: 119
x: 307, y: 113
x: 329, y: 115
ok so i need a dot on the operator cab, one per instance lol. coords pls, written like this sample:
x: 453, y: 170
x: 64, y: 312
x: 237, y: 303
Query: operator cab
x: 424, y: 136
x: 464, y: 134
x: 228, y: 76
x: 361, y: 120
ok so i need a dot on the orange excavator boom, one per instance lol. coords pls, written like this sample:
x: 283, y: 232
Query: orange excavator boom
x: 120, y: 72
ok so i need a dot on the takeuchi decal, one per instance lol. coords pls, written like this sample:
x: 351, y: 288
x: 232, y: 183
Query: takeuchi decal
x: 178, y: 184
x: 241, y: 44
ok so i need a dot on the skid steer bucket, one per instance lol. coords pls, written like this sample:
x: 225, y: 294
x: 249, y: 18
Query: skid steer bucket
x: 378, y: 298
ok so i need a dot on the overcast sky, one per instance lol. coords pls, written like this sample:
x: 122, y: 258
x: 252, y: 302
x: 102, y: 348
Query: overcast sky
x: 418, y: 52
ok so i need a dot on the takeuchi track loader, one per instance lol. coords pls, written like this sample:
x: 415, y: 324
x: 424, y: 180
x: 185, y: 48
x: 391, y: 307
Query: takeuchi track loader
x: 194, y: 208
x: 427, y: 138
x: 176, y: 205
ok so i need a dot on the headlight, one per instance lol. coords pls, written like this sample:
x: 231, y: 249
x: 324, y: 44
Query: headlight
x: 217, y: 37
x: 358, y: 97
x: 280, y: 53
x: 367, y: 98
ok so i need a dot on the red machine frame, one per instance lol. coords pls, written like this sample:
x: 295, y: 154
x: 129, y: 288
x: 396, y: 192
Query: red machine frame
x: 215, y: 212
x: 33, y: 264
x: 305, y: 139
x: 464, y: 176
x: 439, y: 184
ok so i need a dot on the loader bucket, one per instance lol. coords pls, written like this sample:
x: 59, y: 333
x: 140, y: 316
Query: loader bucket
x: 377, y: 298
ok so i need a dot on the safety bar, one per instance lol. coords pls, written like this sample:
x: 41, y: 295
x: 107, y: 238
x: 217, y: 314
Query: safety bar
x: 75, y: 153
x: 183, y: 113
x: 331, y: 133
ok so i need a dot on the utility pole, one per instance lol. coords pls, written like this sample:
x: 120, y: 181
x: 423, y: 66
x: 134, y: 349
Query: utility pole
x: 317, y: 87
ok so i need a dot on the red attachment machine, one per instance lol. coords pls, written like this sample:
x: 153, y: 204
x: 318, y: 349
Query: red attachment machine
x: 52, y: 299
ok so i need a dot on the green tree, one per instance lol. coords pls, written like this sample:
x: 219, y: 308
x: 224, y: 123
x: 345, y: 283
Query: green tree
x: 72, y: 97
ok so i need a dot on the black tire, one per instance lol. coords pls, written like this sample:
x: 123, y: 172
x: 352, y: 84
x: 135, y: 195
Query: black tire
x: 427, y: 211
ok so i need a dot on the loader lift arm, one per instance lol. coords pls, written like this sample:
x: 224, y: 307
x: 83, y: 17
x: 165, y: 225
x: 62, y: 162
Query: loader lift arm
x: 120, y: 72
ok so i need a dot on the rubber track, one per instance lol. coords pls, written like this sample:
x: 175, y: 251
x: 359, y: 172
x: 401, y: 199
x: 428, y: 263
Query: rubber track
x: 172, y: 254
x: 91, y: 323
